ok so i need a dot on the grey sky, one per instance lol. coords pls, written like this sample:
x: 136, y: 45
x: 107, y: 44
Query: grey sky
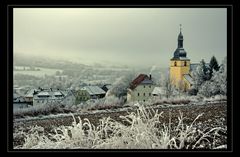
x: 130, y: 36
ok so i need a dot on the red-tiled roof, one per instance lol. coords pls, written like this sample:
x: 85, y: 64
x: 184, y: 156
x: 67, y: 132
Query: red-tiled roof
x: 138, y: 80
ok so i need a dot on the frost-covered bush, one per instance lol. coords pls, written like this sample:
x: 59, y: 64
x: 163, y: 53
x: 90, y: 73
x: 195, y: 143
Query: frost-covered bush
x: 216, y: 85
x: 44, y: 109
x: 216, y: 98
x: 183, y: 99
x: 137, y: 130
x: 119, y: 87
x: 107, y: 102
x: 193, y: 91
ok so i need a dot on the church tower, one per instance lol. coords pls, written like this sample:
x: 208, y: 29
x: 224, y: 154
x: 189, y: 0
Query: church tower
x: 179, y: 65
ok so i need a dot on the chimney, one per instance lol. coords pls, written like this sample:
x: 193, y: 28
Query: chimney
x: 150, y: 76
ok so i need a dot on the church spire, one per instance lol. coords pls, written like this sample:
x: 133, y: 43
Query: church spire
x: 180, y: 38
x: 180, y: 52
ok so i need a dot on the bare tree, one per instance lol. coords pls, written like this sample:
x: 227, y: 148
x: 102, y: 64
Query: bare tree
x: 167, y: 84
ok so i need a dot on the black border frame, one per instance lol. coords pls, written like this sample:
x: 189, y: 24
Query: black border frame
x: 9, y: 44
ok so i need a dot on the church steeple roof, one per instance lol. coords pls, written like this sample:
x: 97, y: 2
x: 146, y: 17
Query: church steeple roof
x: 180, y: 53
x: 180, y: 36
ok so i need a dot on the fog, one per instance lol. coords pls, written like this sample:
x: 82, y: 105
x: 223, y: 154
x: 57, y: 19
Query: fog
x: 120, y: 36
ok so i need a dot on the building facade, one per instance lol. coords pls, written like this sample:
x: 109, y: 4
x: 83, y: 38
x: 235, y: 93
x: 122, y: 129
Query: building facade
x: 140, y: 88
x: 180, y: 67
x: 47, y: 96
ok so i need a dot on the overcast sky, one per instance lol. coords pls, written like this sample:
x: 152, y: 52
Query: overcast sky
x: 128, y: 36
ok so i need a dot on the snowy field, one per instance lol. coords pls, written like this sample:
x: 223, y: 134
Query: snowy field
x: 40, y: 73
x: 192, y: 126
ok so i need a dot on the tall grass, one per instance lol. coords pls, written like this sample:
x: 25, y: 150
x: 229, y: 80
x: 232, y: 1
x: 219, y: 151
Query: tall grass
x: 137, y: 130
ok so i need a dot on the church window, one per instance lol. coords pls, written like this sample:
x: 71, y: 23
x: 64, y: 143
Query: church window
x: 175, y: 63
x: 143, y: 94
x: 138, y: 94
x: 185, y: 63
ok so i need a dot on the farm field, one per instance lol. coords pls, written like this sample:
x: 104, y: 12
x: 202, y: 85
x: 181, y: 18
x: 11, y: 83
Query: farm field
x: 213, y: 115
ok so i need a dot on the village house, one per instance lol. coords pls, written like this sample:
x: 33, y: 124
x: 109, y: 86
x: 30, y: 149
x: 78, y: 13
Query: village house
x: 29, y: 95
x: 140, y: 88
x: 70, y: 97
x: 47, y: 96
x: 19, y: 101
x: 90, y: 92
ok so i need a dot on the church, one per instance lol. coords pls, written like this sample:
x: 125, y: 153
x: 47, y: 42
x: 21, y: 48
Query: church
x: 180, y: 67
x: 143, y: 87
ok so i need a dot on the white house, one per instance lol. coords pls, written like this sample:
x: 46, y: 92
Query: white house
x: 46, y: 96
x: 140, y: 88
x: 70, y: 97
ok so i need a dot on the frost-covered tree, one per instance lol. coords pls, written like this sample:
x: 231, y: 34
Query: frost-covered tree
x: 167, y: 85
x: 213, y: 65
x: 119, y: 87
x: 217, y: 84
x: 220, y: 77
x: 201, y: 75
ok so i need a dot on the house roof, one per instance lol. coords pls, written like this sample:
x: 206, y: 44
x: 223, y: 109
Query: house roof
x: 193, y: 66
x: 31, y: 92
x: 18, y: 99
x: 93, y: 90
x: 188, y: 78
x: 51, y: 94
x: 43, y: 94
x: 158, y: 91
x: 58, y: 93
x: 141, y: 79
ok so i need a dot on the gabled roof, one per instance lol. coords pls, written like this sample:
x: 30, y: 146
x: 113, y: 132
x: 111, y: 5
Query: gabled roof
x: 158, y: 91
x: 141, y: 79
x: 30, y: 93
x: 94, y: 90
x: 43, y: 94
x: 188, y: 78
x: 58, y: 93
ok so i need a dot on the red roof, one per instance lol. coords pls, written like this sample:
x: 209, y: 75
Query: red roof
x: 138, y: 80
